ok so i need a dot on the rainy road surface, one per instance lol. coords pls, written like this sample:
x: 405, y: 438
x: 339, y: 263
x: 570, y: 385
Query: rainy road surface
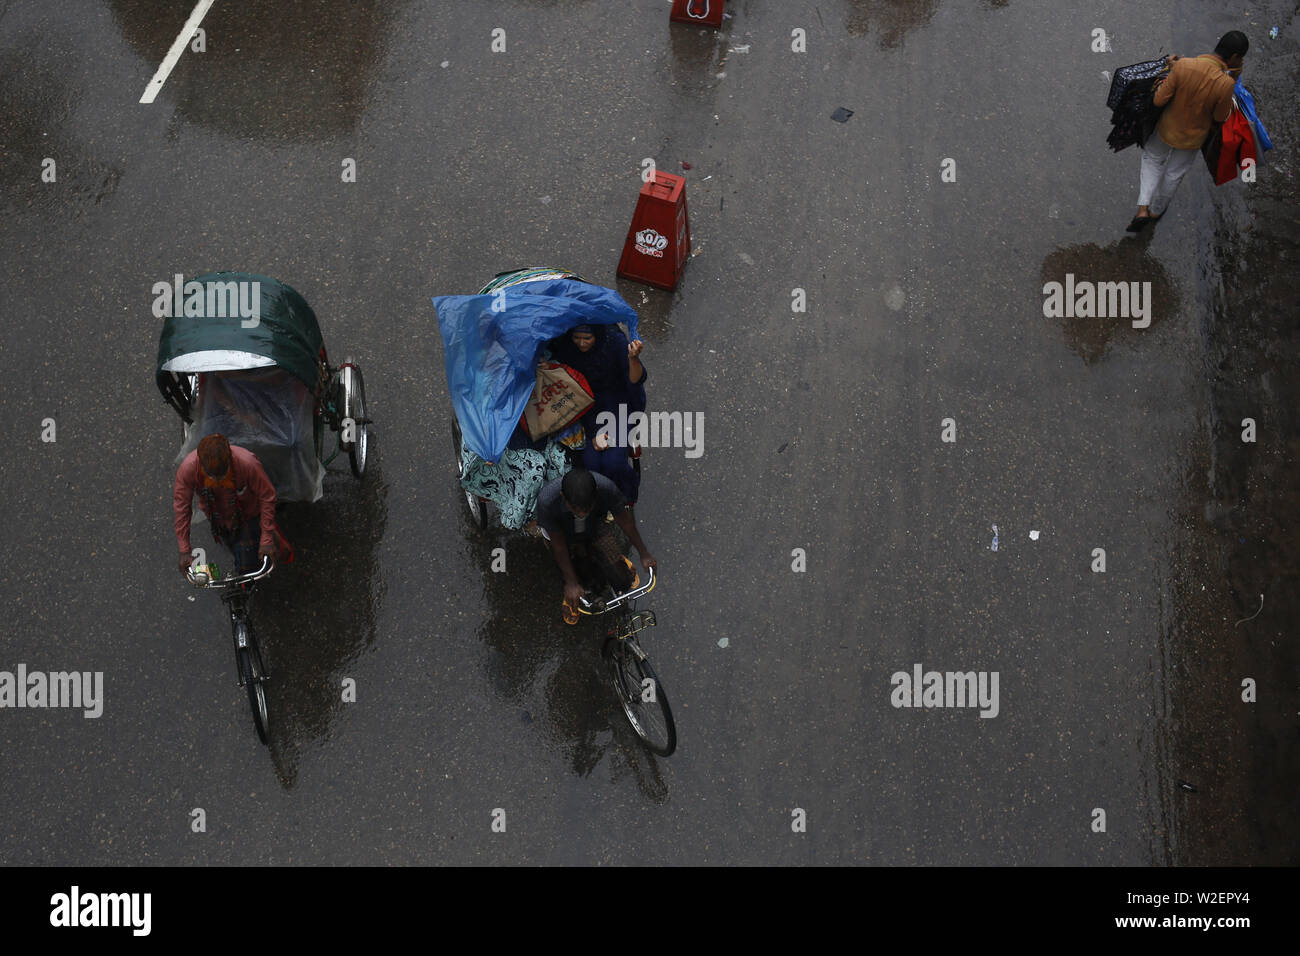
x: 1118, y: 690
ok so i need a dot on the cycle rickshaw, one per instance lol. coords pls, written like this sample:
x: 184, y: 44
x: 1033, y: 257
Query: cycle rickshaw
x: 492, y: 343
x: 241, y: 354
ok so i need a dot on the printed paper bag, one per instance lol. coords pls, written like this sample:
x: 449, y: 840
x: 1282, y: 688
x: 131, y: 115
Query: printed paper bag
x: 560, y: 396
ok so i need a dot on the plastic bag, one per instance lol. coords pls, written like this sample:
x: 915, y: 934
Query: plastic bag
x: 269, y: 412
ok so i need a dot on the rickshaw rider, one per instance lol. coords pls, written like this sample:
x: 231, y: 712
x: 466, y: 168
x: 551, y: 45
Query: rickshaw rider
x: 571, y: 511
x: 238, y: 499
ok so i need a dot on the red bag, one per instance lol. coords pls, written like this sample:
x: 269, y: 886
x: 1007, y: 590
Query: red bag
x: 560, y: 396
x: 1228, y: 147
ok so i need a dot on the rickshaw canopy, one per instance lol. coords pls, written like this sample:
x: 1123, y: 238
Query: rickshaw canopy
x: 223, y: 321
x: 491, y: 344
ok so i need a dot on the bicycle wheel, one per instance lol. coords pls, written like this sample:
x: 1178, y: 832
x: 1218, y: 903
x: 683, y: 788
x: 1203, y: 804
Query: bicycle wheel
x: 477, y: 509
x: 641, y: 695
x: 354, y: 408
x: 252, y: 673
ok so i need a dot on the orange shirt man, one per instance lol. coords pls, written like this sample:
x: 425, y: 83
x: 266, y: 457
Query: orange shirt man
x: 1195, y: 95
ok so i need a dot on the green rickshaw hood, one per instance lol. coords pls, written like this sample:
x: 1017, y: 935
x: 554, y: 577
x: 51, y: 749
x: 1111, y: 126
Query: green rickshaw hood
x: 257, y: 320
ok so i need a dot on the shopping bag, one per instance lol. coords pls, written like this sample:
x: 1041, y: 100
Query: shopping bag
x: 1211, y: 150
x: 560, y: 396
x: 1229, y: 146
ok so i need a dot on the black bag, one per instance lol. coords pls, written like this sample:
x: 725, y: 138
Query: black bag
x: 1135, y: 118
x: 1127, y: 75
x: 1212, y: 148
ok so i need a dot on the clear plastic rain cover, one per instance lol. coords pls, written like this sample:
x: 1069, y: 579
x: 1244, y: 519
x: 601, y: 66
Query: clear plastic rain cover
x: 269, y: 412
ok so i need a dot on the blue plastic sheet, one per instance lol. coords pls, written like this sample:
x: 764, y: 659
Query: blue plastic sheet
x: 1247, y: 104
x: 491, y: 344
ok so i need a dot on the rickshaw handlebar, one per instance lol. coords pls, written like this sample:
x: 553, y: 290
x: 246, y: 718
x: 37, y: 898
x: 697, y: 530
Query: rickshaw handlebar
x: 600, y: 607
x: 202, y: 581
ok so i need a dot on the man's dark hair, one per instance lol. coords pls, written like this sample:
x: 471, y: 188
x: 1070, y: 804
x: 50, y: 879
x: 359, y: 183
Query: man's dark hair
x: 579, y: 489
x: 1233, y: 43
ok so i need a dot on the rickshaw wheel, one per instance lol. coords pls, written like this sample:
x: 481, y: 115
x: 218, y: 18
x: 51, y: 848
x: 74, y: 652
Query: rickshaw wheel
x: 354, y: 407
x: 477, y: 509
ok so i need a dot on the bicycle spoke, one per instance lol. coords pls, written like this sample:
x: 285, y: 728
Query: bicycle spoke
x: 648, y: 718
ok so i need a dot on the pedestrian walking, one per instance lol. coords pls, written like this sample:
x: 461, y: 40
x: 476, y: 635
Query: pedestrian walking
x: 1195, y: 95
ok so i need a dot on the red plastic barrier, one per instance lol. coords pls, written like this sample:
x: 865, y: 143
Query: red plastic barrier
x: 706, y: 13
x: 659, y: 239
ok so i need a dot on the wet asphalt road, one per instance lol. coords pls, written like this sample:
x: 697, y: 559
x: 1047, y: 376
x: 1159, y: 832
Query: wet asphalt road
x: 822, y: 433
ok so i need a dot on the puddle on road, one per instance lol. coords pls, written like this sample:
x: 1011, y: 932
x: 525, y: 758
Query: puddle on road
x: 273, y: 85
x: 1125, y: 261
x: 47, y: 169
x: 890, y: 21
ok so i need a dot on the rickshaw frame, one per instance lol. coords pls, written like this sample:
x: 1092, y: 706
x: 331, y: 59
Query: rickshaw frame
x: 631, y: 676
x: 337, y: 397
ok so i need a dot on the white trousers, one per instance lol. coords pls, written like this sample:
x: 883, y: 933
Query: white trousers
x: 1162, y: 169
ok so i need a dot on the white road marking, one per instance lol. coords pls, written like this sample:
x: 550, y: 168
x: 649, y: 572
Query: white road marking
x: 178, y: 47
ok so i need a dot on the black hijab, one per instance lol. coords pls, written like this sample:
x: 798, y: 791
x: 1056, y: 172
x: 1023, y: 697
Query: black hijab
x: 605, y: 365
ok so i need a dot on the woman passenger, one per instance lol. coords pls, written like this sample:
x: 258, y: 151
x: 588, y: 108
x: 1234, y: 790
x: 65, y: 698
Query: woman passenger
x: 613, y: 369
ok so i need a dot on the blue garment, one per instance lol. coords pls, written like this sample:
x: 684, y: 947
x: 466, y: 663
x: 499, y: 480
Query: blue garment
x: 1246, y: 102
x: 491, y: 344
x: 614, y: 464
x: 605, y: 366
